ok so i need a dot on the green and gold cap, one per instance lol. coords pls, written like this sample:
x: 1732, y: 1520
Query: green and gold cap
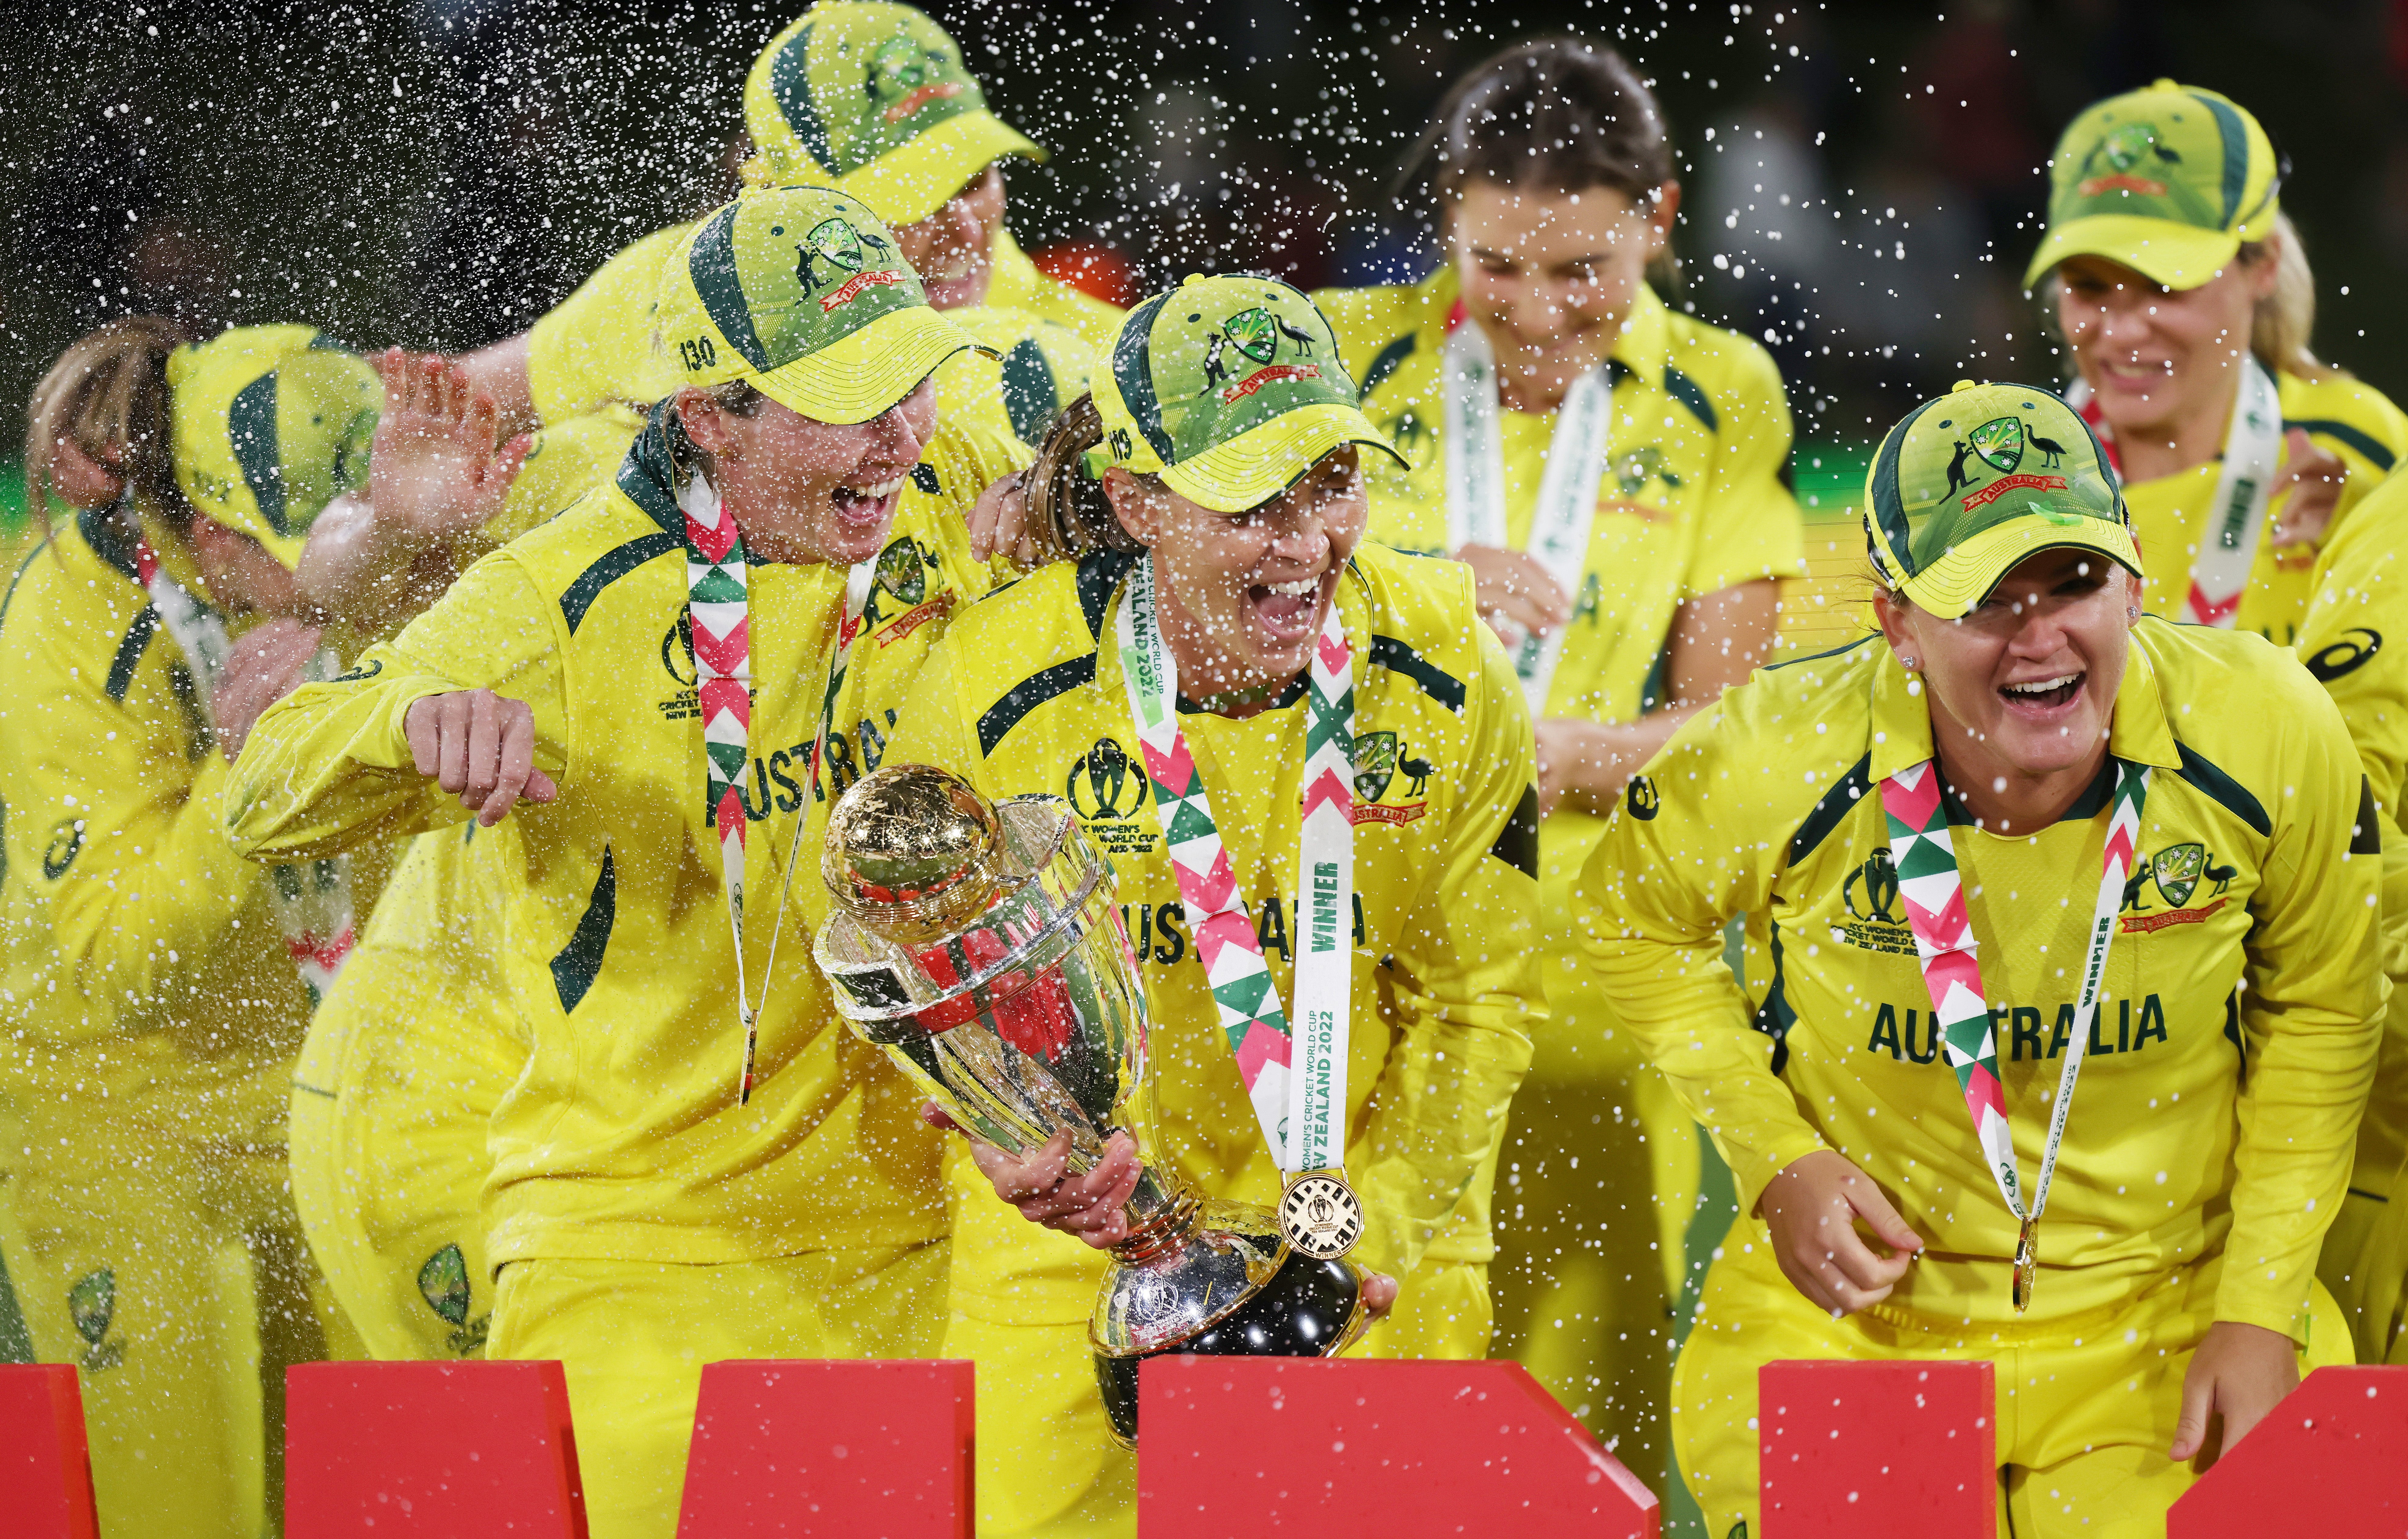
x: 271, y: 423
x: 1231, y: 388
x: 873, y: 98
x: 1975, y: 482
x: 2170, y: 181
x: 801, y: 292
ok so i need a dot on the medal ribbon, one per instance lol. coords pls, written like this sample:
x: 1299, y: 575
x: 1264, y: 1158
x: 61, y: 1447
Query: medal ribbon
x: 1297, y: 1080
x: 718, y: 610
x: 2253, y: 446
x: 1932, y: 888
x: 1475, y: 483
x: 311, y: 899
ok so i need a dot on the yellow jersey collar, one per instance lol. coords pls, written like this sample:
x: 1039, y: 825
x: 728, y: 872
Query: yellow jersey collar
x: 1901, y: 716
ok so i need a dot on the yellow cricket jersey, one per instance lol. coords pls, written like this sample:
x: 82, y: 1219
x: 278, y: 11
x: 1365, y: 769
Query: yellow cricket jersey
x: 1017, y: 285
x: 2236, y: 1035
x: 2169, y: 514
x: 1026, y: 695
x: 595, y: 346
x: 1694, y: 499
x: 2354, y: 640
x: 623, y: 1138
x: 143, y: 972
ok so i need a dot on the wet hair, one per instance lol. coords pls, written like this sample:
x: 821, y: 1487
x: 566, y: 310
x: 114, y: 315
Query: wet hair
x: 1557, y: 115
x: 1068, y: 510
x: 106, y: 396
x: 2280, y: 328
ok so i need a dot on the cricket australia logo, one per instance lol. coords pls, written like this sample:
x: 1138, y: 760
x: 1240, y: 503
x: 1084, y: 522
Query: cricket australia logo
x: 844, y: 250
x: 2120, y: 158
x: 1383, y: 763
x: 902, y: 575
x: 1254, y: 333
x: 1999, y: 445
x: 2177, y: 871
x: 903, y: 79
x: 443, y: 1283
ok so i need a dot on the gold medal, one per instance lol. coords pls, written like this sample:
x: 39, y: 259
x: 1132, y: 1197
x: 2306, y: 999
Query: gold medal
x: 2027, y: 1263
x: 1321, y: 1215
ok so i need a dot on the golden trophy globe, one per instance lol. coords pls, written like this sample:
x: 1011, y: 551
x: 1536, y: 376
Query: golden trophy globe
x: 979, y: 946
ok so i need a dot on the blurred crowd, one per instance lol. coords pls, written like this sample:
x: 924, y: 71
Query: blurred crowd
x: 467, y: 161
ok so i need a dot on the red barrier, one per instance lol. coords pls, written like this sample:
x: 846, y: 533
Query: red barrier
x: 2329, y: 1460
x: 45, y: 1465
x: 1868, y: 1449
x: 430, y: 1448
x: 1399, y: 1450
x: 831, y: 1448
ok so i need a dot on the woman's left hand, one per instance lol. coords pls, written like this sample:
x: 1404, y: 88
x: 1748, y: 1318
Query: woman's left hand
x: 439, y: 469
x: 2306, y: 491
x: 999, y: 525
x: 1564, y: 748
x: 2239, y: 1372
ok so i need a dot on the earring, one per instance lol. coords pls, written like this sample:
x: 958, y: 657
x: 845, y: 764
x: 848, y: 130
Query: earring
x: 2132, y: 612
x: 1909, y: 663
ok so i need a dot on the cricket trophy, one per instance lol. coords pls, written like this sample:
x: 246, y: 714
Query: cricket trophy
x: 979, y: 946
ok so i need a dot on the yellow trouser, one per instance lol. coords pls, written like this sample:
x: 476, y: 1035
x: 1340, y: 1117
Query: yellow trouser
x: 400, y: 1074
x: 633, y: 1336
x: 2365, y: 1263
x: 2086, y: 1405
x: 177, y: 1277
x: 1597, y: 1196
x: 1046, y: 1463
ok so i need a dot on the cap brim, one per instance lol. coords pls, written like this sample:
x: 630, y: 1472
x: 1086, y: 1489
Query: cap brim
x: 862, y: 375
x: 2180, y: 257
x: 1262, y: 462
x: 1955, y: 583
x: 915, y: 178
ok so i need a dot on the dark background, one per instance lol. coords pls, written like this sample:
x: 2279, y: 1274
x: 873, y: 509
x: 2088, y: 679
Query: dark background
x: 1862, y: 180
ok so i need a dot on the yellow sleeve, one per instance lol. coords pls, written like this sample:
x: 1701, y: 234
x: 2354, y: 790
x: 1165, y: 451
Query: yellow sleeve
x: 1462, y: 987
x: 329, y: 767
x: 2354, y: 640
x: 1650, y: 905
x: 932, y: 728
x: 595, y: 346
x: 1751, y: 527
x: 2309, y: 1018
x: 141, y: 883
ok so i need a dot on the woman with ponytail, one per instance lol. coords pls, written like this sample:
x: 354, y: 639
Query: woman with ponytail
x: 2183, y: 293
x: 154, y: 987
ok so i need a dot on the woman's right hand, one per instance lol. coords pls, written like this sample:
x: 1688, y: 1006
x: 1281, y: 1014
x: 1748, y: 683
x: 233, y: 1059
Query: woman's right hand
x: 1516, y: 594
x: 480, y: 747
x: 1094, y: 1206
x: 439, y: 469
x: 265, y: 664
x: 1813, y: 1208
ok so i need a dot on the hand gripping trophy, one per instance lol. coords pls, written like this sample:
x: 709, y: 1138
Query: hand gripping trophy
x: 979, y: 946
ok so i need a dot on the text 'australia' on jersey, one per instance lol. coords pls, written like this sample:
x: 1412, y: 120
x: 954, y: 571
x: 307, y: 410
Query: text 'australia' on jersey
x: 2240, y: 989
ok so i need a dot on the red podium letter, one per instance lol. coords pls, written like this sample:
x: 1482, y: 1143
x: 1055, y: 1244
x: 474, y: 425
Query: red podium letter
x: 430, y: 1448
x: 1869, y: 1449
x: 2328, y: 1461
x: 1400, y: 1449
x: 45, y: 1468
x: 831, y: 1448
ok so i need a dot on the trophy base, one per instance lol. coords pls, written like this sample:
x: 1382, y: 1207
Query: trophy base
x: 1305, y: 1308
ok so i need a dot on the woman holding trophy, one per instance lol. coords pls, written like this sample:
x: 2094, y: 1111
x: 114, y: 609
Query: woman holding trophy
x: 1309, y: 762
x: 2063, y: 846
x: 699, y: 1162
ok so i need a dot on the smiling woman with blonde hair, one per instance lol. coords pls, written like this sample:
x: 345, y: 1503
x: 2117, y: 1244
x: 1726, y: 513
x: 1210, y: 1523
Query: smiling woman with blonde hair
x: 1611, y: 470
x: 2183, y: 293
